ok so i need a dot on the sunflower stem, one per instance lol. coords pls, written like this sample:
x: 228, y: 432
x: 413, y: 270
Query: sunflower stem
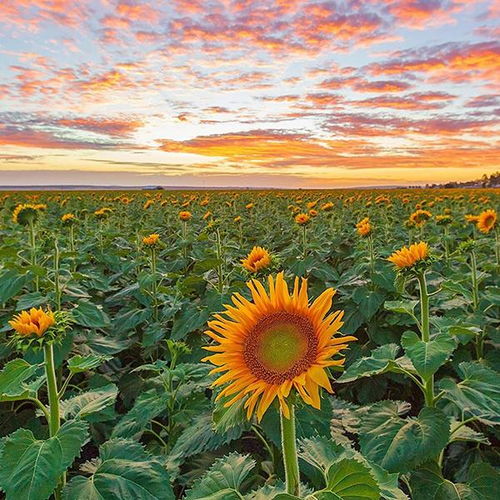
x: 475, y: 284
x: 220, y: 272
x: 290, y: 459
x: 304, y: 241
x: 54, y: 415
x: 154, y: 284
x: 425, y: 330
x: 33, y: 250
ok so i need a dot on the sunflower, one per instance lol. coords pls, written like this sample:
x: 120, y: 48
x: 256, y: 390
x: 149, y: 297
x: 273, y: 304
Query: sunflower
x: 68, y: 218
x: 151, y: 240
x: 237, y: 219
x: 408, y: 257
x: 147, y: 204
x: 302, y: 219
x: 26, y: 212
x: 275, y: 343
x: 487, y: 221
x: 32, y: 322
x: 185, y: 215
x: 472, y: 218
x: 420, y: 217
x: 443, y: 220
x: 327, y: 206
x: 256, y: 260
x: 313, y: 213
x: 364, y: 229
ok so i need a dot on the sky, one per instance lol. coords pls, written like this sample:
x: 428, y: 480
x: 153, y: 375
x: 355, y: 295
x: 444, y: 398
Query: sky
x: 263, y: 93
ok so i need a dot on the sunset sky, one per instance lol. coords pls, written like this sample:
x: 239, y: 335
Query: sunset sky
x: 275, y: 93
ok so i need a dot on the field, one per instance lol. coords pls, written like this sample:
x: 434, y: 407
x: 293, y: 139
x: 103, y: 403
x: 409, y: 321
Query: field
x: 106, y: 392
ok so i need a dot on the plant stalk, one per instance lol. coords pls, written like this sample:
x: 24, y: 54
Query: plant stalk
x: 425, y: 331
x: 290, y: 459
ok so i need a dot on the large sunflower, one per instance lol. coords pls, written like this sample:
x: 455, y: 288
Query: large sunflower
x: 275, y: 343
x: 486, y: 221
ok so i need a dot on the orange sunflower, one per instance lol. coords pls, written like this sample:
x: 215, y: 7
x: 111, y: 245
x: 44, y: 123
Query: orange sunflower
x: 32, y: 322
x: 407, y: 257
x: 486, y: 220
x: 275, y: 343
x: 256, y: 260
x: 302, y: 219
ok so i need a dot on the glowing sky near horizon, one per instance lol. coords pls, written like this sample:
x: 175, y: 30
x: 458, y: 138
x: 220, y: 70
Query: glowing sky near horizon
x: 285, y: 93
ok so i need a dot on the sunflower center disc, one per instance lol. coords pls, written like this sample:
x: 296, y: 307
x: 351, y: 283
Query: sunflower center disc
x: 280, y: 347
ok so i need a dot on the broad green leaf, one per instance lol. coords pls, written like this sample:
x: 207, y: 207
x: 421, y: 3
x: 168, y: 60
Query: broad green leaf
x: 11, y: 283
x: 427, y: 483
x: 226, y: 418
x: 80, y: 364
x: 30, y: 468
x: 89, y: 402
x: 380, y: 361
x: 478, y: 394
x: 189, y: 320
x: 368, y: 301
x: 14, y: 380
x: 460, y: 432
x: 123, y: 470
x: 401, y: 306
x: 349, y: 479
x: 29, y: 300
x: 397, y: 444
x: 148, y: 405
x: 427, y: 357
x: 89, y: 315
x: 225, y: 475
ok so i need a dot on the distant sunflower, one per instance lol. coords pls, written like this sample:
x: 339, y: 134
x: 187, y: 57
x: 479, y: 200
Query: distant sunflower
x: 302, y: 219
x: 420, y: 217
x: 185, y: 215
x: 487, y: 220
x: 256, y: 260
x: 408, y: 257
x: 275, y: 343
x: 151, y: 240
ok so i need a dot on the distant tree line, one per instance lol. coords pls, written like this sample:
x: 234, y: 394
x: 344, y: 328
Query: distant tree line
x: 486, y: 181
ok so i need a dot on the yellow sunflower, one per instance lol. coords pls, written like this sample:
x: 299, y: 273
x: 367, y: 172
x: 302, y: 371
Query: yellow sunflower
x: 302, y: 219
x: 275, y: 343
x: 185, y: 215
x: 256, y: 260
x: 151, y: 240
x: 407, y: 257
x: 32, y: 322
x: 487, y: 220
x: 420, y: 217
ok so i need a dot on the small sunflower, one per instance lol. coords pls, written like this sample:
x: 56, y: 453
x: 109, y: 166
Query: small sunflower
x: 487, y: 221
x: 313, y: 212
x: 472, y: 218
x: 327, y: 206
x: 151, y: 240
x: 420, y: 217
x: 68, y: 218
x: 256, y: 260
x: 32, y: 322
x: 148, y: 204
x: 275, y: 343
x: 185, y: 215
x: 302, y: 219
x: 443, y: 220
x: 237, y: 219
x: 364, y: 229
x: 408, y: 257
x: 26, y: 212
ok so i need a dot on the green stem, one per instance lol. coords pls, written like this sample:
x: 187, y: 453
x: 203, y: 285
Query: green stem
x: 475, y: 284
x: 304, y: 241
x: 446, y: 248
x: 290, y: 460
x: 57, y: 284
x: 425, y: 330
x: 154, y: 285
x: 497, y: 245
x: 184, y: 238
x: 54, y: 415
x: 372, y: 257
x: 32, y: 234
x: 220, y: 272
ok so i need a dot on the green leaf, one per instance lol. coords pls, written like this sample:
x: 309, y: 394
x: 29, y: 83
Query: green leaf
x: 147, y: 406
x: 89, y: 402
x: 401, y: 306
x: 349, y: 479
x: 11, y: 283
x: 380, y: 361
x: 461, y: 432
x: 397, y: 444
x: 89, y: 315
x: 13, y: 380
x: 232, y: 416
x: 427, y: 357
x: 427, y: 483
x: 478, y: 394
x: 80, y: 364
x: 223, y: 479
x: 368, y: 301
x: 189, y: 320
x: 30, y: 468
x: 124, y: 470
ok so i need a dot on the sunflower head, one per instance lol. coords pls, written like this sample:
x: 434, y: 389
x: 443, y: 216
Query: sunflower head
x: 487, y: 221
x: 409, y: 257
x: 148, y: 204
x: 364, y: 230
x: 27, y: 212
x: 259, y: 258
x: 420, y: 217
x: 68, y: 219
x: 102, y: 213
x: 275, y: 343
x: 249, y: 206
x: 327, y: 206
x: 472, y: 218
x: 302, y: 219
x: 151, y: 240
x: 313, y: 212
x: 185, y: 215
x: 207, y: 215
x: 237, y: 218
x: 443, y: 220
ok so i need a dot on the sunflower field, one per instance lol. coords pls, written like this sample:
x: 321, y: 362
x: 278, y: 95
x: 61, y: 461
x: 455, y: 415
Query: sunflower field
x: 249, y: 345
